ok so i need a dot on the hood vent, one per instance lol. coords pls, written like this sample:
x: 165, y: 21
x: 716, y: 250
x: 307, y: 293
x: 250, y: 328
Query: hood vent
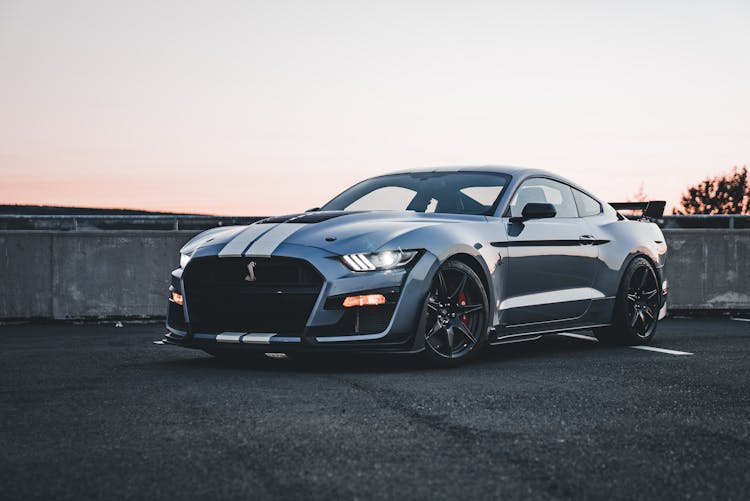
x: 306, y: 217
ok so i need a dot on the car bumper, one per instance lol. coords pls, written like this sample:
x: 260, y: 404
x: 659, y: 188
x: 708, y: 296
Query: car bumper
x: 328, y: 325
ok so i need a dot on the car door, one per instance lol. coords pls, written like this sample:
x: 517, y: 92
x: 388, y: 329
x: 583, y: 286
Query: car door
x: 552, y: 263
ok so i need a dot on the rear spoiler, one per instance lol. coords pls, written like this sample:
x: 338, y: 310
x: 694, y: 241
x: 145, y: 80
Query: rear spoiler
x: 649, y: 210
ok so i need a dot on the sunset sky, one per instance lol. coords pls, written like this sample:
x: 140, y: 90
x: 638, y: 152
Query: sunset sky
x: 266, y: 107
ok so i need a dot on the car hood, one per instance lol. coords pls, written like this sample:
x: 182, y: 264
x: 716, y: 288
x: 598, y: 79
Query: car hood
x: 338, y: 232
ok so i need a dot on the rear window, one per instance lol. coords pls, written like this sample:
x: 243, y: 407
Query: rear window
x: 587, y: 206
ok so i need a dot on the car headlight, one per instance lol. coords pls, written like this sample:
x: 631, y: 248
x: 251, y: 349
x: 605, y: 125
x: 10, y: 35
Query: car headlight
x: 378, y: 260
x: 184, y: 259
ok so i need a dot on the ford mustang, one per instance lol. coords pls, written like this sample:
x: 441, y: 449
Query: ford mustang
x: 441, y: 262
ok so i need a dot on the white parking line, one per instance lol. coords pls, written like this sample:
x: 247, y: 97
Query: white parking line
x: 646, y: 348
x: 741, y: 319
x: 661, y: 350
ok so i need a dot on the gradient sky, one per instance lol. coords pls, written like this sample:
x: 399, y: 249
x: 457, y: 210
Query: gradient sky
x: 266, y: 107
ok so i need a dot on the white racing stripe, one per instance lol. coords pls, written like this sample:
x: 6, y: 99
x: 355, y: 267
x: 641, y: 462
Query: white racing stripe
x: 239, y: 243
x: 266, y: 244
x: 559, y: 296
x: 229, y: 337
x: 257, y: 338
x: 661, y: 350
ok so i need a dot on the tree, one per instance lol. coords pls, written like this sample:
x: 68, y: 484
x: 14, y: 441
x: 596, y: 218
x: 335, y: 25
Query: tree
x: 725, y: 194
x: 640, y: 195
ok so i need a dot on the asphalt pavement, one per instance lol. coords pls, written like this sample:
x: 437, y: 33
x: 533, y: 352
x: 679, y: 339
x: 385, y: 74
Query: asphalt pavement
x: 99, y: 412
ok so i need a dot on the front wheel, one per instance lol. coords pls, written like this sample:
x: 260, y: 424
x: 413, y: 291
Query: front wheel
x: 456, y: 315
x: 636, y: 313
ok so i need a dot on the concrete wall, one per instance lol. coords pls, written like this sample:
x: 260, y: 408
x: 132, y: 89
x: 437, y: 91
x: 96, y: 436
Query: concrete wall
x: 76, y: 274
x: 87, y: 274
x: 708, y: 269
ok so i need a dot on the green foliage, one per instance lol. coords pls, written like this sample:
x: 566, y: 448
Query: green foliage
x: 726, y: 194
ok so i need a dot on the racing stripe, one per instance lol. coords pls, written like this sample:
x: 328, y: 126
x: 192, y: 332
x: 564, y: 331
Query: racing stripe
x: 244, y: 238
x: 257, y: 338
x: 266, y: 244
x: 229, y: 337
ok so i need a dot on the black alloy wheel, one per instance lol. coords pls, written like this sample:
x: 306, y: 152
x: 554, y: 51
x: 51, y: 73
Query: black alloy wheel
x: 637, y: 307
x: 456, y: 315
x: 643, y: 301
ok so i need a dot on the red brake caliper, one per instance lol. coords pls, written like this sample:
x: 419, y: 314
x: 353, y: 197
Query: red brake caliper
x: 462, y: 302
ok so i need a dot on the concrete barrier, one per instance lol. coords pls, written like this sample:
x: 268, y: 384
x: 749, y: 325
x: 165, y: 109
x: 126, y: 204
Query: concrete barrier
x: 65, y: 275
x: 708, y: 269
x: 125, y: 274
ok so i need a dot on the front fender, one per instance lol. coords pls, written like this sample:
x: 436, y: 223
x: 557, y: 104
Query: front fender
x: 465, y: 240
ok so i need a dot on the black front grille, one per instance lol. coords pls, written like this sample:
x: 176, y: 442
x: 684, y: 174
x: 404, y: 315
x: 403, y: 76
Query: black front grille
x: 249, y: 294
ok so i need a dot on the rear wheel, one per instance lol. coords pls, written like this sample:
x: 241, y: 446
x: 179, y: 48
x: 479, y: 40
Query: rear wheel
x: 636, y: 312
x: 456, y: 315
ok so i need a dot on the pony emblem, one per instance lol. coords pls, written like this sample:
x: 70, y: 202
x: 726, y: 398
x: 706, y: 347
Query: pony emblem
x: 250, y: 277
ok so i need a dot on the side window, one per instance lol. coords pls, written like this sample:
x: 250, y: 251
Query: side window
x: 587, y: 206
x: 541, y: 190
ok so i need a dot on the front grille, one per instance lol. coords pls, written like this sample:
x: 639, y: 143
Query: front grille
x: 273, y: 295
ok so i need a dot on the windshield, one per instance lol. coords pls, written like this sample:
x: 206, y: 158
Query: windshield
x: 444, y: 192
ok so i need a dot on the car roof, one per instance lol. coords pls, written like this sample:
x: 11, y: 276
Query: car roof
x: 500, y: 169
x: 517, y: 173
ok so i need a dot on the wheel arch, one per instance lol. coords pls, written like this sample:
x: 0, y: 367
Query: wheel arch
x: 476, y: 265
x: 660, y: 277
x: 632, y: 257
x: 657, y: 269
x: 612, y: 333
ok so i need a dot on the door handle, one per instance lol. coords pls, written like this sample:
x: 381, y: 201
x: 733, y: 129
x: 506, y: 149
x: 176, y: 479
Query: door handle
x: 586, y: 239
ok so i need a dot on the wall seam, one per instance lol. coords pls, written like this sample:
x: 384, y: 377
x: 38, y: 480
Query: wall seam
x: 52, y: 276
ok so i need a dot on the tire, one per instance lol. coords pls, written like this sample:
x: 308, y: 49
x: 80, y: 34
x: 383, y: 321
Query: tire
x: 457, y: 316
x: 636, y: 313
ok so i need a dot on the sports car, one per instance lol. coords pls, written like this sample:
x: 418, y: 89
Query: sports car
x: 441, y: 262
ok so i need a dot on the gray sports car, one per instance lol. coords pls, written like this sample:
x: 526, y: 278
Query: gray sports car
x: 440, y: 261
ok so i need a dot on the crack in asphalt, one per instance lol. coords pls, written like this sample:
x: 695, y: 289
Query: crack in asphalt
x: 480, y: 440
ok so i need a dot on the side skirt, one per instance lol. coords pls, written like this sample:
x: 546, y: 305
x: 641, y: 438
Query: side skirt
x: 503, y: 337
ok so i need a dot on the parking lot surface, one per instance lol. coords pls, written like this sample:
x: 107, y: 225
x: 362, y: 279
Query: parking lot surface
x: 98, y: 412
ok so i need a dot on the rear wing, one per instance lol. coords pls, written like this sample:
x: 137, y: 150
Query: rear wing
x: 649, y: 210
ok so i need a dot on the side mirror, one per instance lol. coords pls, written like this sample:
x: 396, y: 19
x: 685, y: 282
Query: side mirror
x: 534, y: 210
x: 314, y: 209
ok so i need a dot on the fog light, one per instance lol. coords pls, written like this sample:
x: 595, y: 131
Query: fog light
x: 369, y: 300
x: 176, y: 298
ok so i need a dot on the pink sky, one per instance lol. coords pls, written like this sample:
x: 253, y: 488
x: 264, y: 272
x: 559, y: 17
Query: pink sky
x: 257, y: 108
